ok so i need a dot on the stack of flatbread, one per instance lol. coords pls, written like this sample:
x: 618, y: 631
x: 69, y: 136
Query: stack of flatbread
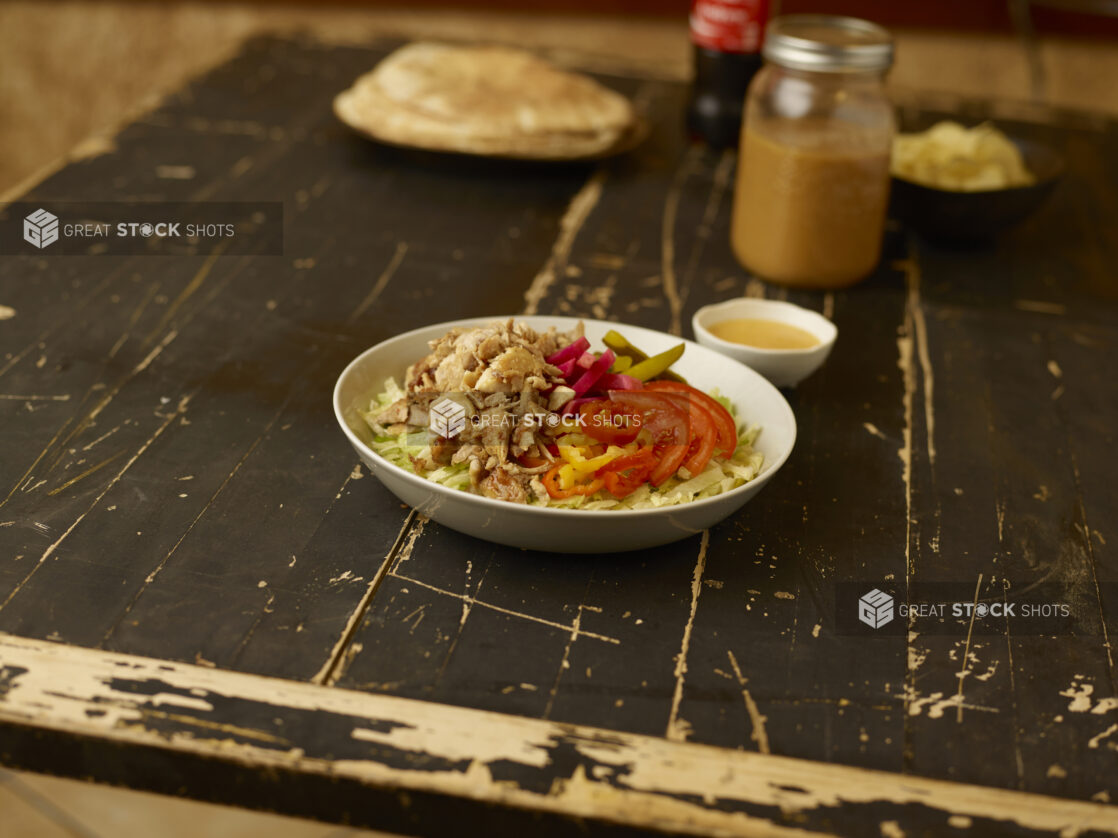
x: 485, y: 100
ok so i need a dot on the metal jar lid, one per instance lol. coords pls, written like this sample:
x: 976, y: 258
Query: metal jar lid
x: 827, y: 44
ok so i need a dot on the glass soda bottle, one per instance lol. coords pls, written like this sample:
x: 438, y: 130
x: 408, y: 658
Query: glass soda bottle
x: 726, y: 37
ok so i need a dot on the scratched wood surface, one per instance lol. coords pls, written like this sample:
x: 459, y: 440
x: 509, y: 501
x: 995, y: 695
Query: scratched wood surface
x: 172, y: 483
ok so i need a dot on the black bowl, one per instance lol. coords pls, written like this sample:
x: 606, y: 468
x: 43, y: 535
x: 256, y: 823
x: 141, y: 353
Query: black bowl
x: 970, y: 217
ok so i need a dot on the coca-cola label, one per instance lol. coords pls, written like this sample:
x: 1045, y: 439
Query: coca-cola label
x: 729, y: 25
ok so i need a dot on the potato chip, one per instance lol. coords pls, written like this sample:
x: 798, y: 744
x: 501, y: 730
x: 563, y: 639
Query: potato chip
x: 949, y: 156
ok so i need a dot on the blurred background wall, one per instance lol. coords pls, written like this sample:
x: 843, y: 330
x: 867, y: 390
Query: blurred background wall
x: 72, y: 69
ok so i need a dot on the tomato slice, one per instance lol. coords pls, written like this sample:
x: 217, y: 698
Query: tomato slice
x: 703, y: 434
x: 724, y: 422
x: 704, y: 439
x: 550, y: 481
x: 606, y: 422
x: 628, y: 473
x: 666, y: 421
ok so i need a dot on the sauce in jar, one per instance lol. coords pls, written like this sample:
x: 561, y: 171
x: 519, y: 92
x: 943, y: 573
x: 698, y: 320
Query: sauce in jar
x: 763, y: 334
x: 809, y: 214
x: 813, y: 173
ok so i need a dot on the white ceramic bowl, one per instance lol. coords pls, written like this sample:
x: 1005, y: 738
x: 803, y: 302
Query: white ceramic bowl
x: 783, y: 367
x: 567, y: 530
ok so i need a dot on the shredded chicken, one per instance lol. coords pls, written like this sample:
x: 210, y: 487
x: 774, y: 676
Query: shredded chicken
x: 503, y: 372
x: 504, y: 483
x: 500, y: 357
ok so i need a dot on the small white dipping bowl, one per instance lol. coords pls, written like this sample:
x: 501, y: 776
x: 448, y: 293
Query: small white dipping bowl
x: 567, y: 530
x: 783, y: 367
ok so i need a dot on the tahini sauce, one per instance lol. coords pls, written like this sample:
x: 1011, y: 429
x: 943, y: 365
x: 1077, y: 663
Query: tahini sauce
x: 763, y: 334
x: 806, y: 213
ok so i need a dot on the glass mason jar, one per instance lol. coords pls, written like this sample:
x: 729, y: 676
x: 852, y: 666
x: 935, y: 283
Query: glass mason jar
x: 813, y: 173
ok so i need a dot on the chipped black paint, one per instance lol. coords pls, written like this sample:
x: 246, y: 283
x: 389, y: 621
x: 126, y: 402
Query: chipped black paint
x: 8, y: 676
x: 274, y: 740
x: 318, y: 734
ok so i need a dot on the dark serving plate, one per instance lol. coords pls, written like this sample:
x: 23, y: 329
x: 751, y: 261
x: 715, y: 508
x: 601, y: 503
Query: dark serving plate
x: 970, y: 217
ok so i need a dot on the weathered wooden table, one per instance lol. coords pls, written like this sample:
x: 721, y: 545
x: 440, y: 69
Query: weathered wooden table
x: 204, y: 594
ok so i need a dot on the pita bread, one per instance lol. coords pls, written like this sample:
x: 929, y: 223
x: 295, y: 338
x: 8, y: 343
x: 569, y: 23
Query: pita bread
x: 485, y: 100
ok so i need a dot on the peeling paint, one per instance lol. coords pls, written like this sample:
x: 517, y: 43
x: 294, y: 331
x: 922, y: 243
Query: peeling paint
x: 381, y: 282
x: 1094, y: 741
x: 678, y: 729
x: 579, y: 209
x: 616, y: 777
